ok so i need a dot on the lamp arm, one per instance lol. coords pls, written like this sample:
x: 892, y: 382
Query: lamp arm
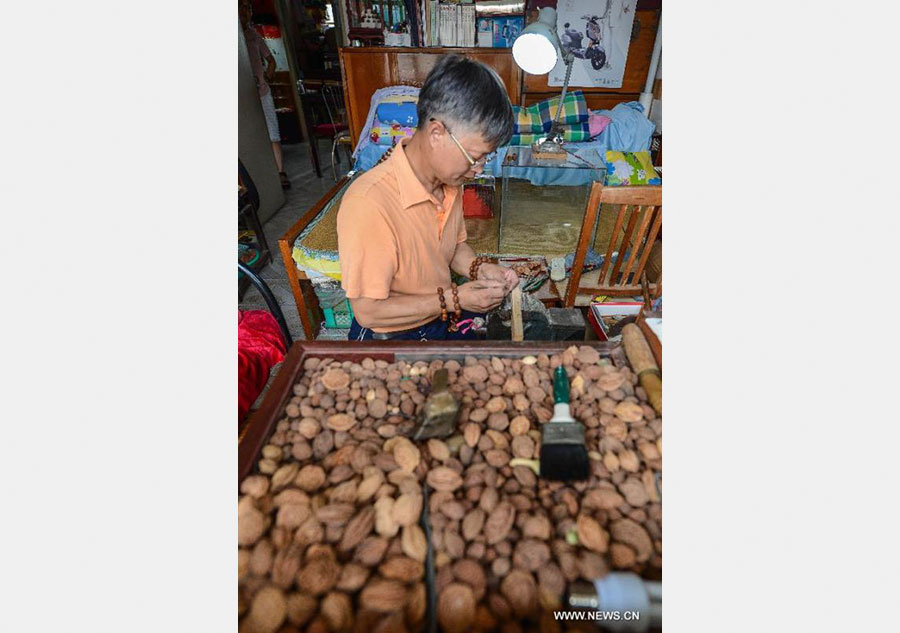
x: 567, y: 60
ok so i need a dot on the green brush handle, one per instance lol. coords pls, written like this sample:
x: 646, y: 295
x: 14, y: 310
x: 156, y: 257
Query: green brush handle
x: 560, y: 386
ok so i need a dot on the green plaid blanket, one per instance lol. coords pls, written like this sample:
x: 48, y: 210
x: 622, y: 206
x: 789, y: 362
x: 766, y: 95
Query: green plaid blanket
x: 571, y: 134
x: 535, y: 121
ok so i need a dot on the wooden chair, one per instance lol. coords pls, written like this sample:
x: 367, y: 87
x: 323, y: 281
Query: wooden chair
x: 623, y: 278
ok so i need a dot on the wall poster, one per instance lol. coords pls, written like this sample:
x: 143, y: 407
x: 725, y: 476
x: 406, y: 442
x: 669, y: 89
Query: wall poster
x: 597, y: 33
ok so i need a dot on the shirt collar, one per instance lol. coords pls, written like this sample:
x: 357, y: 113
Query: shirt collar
x: 412, y: 191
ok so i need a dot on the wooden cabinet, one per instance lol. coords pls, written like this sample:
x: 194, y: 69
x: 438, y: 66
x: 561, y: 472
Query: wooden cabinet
x: 282, y: 91
x: 365, y: 70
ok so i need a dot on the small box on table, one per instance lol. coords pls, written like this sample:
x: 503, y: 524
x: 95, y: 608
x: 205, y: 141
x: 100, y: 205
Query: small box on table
x: 609, y: 318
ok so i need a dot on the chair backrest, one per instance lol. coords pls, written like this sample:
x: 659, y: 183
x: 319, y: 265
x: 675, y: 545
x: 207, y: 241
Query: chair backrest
x: 270, y: 300
x: 323, y: 105
x: 629, y: 246
x: 333, y: 95
x: 311, y: 102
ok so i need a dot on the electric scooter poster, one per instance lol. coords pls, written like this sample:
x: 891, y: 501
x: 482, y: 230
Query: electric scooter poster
x: 597, y: 34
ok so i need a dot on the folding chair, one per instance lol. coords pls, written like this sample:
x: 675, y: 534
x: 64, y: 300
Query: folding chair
x: 324, y: 110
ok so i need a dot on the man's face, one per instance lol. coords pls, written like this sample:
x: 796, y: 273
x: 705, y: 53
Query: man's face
x: 450, y: 162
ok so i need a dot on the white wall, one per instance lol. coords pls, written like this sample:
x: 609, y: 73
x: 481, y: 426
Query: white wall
x: 656, y: 107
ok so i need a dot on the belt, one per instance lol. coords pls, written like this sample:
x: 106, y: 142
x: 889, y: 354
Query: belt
x: 387, y: 336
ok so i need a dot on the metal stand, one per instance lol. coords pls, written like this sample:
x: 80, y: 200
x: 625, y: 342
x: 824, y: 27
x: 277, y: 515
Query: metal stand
x: 551, y: 146
x: 270, y: 300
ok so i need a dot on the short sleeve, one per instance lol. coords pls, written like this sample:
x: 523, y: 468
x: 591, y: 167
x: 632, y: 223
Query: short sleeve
x: 367, y: 249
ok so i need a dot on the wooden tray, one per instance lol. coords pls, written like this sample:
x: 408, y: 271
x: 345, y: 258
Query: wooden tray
x: 264, y: 420
x: 261, y: 424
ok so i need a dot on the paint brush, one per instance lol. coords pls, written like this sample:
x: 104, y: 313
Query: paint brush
x: 563, y: 453
x: 438, y: 415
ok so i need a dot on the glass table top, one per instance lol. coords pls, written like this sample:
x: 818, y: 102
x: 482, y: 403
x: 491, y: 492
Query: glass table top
x: 524, y: 157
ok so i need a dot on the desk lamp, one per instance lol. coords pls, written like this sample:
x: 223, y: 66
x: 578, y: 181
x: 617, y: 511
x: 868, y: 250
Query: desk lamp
x: 536, y: 50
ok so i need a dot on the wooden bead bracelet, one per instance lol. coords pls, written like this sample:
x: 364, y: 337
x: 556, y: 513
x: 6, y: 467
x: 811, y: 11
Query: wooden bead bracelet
x: 443, y: 304
x: 473, y: 268
x: 457, y: 311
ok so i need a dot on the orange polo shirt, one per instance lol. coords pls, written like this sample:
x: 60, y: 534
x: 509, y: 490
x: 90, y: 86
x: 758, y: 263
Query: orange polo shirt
x: 394, y: 237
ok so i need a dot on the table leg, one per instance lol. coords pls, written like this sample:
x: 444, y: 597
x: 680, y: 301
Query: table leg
x: 253, y: 220
x: 314, y: 152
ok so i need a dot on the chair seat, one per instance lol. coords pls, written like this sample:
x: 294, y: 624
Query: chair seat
x: 328, y: 129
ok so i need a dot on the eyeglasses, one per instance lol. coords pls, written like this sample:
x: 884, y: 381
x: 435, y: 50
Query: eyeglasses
x: 473, y: 163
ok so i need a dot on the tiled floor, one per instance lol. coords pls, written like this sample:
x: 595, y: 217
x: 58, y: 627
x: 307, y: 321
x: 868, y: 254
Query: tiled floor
x: 306, y: 189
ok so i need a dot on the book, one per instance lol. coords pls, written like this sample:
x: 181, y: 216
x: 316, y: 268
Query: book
x: 485, y: 35
x: 506, y: 30
x: 435, y: 38
x: 448, y: 24
x: 466, y: 25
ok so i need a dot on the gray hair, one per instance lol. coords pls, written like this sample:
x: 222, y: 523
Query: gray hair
x: 465, y: 92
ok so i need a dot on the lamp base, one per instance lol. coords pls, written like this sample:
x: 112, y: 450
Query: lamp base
x: 547, y: 149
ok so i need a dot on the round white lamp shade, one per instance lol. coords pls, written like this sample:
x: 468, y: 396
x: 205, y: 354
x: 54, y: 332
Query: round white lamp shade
x: 537, y: 49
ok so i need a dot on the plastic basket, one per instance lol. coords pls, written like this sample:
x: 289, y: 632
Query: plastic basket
x: 338, y: 317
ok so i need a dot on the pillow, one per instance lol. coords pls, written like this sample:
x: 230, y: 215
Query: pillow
x: 389, y: 135
x: 571, y: 134
x: 630, y: 168
x: 598, y: 123
x: 538, y: 118
x: 402, y: 113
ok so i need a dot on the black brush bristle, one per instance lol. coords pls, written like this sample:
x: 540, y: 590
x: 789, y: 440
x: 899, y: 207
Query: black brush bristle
x: 565, y: 462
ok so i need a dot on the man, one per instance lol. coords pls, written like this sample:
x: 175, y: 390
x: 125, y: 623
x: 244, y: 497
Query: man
x: 400, y: 226
x: 259, y: 53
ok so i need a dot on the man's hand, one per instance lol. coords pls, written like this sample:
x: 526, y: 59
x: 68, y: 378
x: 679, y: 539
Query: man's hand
x: 480, y: 295
x: 499, y: 273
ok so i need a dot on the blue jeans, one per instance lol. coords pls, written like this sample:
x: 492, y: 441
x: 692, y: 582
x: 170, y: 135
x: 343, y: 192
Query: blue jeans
x: 432, y: 331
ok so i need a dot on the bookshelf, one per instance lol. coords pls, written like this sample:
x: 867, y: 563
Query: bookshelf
x: 432, y: 23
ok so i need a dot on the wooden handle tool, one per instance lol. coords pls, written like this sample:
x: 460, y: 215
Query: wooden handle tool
x: 518, y: 333
x: 641, y: 358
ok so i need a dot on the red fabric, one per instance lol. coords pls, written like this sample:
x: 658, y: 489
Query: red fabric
x: 260, y: 347
x: 474, y: 205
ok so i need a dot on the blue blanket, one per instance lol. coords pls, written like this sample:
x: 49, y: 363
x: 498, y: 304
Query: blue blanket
x: 628, y: 131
